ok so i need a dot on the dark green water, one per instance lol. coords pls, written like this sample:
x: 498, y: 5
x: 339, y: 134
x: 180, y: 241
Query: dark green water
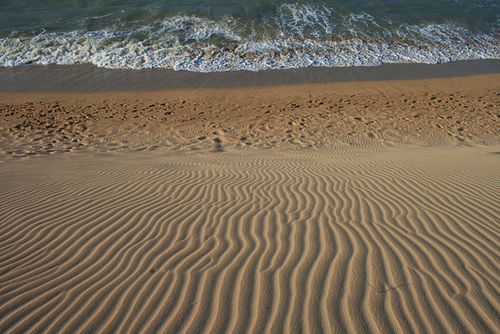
x: 211, y: 36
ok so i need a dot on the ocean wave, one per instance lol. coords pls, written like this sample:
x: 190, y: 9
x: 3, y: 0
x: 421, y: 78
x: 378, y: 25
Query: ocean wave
x: 297, y: 36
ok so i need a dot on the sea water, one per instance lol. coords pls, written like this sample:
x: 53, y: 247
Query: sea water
x: 222, y: 35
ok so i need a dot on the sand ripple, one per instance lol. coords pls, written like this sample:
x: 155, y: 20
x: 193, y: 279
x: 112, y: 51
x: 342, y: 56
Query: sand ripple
x: 283, y: 241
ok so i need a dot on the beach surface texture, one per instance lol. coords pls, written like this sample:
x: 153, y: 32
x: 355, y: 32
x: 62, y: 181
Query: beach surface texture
x: 350, y: 207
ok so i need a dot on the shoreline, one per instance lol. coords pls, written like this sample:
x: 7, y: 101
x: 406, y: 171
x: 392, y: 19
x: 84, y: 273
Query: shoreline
x: 87, y: 78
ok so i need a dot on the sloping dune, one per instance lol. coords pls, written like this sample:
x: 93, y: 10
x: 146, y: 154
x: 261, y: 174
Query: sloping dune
x: 399, y: 239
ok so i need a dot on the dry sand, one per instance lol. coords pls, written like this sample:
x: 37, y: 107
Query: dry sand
x: 341, y: 207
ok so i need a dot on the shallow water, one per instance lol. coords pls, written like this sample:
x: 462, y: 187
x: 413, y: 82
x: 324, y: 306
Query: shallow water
x: 211, y: 36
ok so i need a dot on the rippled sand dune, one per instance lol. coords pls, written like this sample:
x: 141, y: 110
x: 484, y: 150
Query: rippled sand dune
x: 122, y: 225
x: 401, y: 241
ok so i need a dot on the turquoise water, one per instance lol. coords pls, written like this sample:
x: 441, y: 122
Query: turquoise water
x: 209, y: 36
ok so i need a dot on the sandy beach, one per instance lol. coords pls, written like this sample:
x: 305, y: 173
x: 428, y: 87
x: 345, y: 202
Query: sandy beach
x: 334, y: 207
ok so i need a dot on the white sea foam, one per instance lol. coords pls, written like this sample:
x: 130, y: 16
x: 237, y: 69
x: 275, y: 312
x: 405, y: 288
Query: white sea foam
x: 299, y: 36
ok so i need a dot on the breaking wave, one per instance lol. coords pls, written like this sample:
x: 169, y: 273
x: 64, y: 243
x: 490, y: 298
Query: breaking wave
x: 295, y: 36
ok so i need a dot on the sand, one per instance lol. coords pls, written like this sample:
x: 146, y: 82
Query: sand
x: 318, y: 208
